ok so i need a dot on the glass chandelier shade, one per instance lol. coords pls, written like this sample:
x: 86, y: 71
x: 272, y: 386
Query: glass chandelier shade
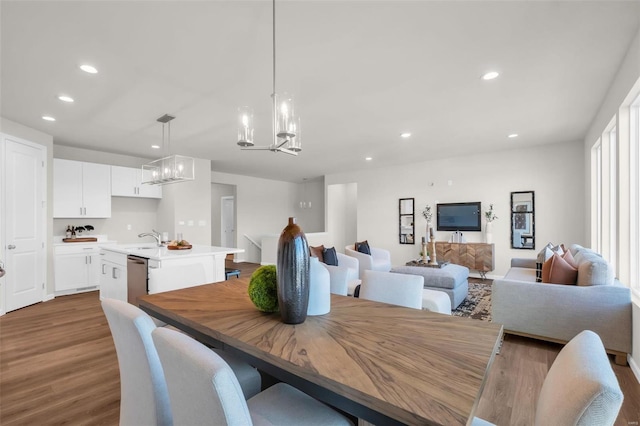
x: 295, y: 142
x: 245, y: 126
x: 285, y: 116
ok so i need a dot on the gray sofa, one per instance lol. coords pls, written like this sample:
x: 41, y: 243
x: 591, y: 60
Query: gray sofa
x: 557, y: 312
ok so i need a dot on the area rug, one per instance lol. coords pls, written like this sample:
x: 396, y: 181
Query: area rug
x: 477, y: 304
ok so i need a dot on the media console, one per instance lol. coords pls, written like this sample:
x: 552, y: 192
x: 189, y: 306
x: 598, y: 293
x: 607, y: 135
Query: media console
x: 476, y: 256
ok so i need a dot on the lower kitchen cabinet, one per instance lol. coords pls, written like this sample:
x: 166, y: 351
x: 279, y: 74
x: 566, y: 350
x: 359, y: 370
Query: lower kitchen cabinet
x: 113, y: 276
x: 76, y: 267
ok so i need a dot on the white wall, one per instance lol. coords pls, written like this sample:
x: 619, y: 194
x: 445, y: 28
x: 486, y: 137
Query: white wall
x: 263, y: 207
x: 342, y: 224
x: 186, y: 207
x: 553, y: 171
x: 311, y: 219
x: 18, y: 130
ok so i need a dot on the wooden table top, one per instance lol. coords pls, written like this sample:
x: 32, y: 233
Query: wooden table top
x: 414, y: 366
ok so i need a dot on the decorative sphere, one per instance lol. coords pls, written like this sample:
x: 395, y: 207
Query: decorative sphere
x: 263, y: 289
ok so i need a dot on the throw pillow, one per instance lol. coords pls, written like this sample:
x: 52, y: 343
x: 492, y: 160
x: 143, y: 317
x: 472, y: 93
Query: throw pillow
x: 363, y: 247
x: 568, y: 257
x: 543, y: 255
x: 317, y: 252
x: 330, y: 256
x: 557, y: 271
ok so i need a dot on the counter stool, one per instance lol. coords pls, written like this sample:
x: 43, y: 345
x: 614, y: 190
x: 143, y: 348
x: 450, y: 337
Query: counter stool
x: 229, y: 272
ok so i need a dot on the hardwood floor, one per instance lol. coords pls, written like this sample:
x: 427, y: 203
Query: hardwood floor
x: 58, y: 365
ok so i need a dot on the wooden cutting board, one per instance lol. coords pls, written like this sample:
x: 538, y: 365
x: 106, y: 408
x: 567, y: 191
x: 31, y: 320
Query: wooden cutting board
x: 80, y: 240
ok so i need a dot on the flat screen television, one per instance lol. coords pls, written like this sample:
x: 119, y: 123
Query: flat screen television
x: 458, y: 216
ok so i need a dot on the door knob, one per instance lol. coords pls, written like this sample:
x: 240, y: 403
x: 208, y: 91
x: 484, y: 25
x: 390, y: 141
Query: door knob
x: 11, y: 246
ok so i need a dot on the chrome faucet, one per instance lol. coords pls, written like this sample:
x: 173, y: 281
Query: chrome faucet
x: 155, y: 234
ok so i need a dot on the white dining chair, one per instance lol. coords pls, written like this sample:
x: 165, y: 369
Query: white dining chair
x: 144, y: 399
x: 580, y: 388
x: 390, y: 287
x: 204, y: 391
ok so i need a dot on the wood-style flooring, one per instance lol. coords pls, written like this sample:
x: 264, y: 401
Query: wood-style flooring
x: 58, y: 365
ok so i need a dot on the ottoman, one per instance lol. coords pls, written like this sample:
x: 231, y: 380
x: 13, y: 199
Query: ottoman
x: 451, y: 279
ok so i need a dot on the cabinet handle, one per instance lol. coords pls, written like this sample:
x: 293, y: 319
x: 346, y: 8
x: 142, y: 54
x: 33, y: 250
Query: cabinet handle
x: 89, y: 257
x: 114, y: 275
x: 11, y: 246
x: 86, y: 260
x: 80, y: 211
x: 103, y: 269
x: 85, y: 211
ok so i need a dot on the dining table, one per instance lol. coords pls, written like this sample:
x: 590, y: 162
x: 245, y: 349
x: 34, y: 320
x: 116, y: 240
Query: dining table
x: 381, y: 363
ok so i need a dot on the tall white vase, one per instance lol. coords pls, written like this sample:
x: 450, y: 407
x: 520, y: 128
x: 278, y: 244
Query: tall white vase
x: 319, y: 288
x: 488, y: 232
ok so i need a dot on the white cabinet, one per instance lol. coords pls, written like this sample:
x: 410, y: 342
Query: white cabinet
x: 81, y: 190
x: 76, y: 267
x: 127, y: 182
x: 113, y: 276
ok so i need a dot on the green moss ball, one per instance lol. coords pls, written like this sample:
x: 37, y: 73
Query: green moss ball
x: 263, y: 289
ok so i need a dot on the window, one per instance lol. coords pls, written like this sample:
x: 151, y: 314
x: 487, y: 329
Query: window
x: 634, y: 193
x: 615, y: 192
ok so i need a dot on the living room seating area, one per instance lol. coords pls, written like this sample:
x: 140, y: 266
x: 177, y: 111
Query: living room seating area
x: 558, y: 312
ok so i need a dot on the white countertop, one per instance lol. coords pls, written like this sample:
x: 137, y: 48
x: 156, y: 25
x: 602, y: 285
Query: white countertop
x: 151, y: 251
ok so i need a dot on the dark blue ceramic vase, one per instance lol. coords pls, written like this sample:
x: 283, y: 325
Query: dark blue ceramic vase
x: 292, y: 273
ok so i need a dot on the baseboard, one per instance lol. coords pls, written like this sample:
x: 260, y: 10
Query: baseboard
x: 634, y: 367
x: 49, y: 297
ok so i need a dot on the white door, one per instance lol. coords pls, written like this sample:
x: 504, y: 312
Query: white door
x: 24, y: 224
x: 228, y: 222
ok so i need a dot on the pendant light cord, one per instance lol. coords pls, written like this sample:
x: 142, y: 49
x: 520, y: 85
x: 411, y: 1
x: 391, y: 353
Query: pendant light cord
x: 275, y: 103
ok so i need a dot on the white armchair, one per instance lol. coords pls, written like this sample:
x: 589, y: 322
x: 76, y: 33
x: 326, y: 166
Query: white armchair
x: 378, y: 260
x: 344, y: 277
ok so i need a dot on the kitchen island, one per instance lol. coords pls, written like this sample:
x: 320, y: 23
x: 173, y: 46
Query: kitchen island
x: 130, y: 270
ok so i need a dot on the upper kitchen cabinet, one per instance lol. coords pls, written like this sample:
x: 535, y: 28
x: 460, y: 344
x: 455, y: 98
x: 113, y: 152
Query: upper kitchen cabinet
x: 81, y: 190
x: 127, y: 182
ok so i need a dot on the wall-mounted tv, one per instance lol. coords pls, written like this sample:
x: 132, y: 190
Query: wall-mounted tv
x: 458, y: 216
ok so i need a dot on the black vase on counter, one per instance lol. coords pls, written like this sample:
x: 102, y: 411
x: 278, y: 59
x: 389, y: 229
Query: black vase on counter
x: 293, y: 274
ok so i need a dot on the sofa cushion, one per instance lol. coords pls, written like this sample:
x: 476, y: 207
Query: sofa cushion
x: 593, y: 269
x: 317, y: 252
x: 521, y: 274
x: 556, y: 270
x: 363, y: 247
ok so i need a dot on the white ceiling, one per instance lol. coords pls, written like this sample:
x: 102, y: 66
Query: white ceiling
x: 361, y: 72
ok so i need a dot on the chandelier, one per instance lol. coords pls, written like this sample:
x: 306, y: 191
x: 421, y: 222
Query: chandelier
x: 286, y: 127
x: 170, y: 169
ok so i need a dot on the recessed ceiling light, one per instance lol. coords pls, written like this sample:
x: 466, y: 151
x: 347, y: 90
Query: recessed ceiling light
x: 48, y: 118
x: 405, y: 135
x: 368, y: 158
x: 155, y: 146
x: 65, y: 98
x: 513, y: 135
x: 490, y: 75
x: 88, y: 68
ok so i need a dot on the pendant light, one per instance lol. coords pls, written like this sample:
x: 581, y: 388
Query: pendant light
x: 286, y: 127
x: 170, y: 169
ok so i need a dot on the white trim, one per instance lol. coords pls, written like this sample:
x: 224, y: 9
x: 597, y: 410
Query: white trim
x: 634, y: 367
x: 49, y: 297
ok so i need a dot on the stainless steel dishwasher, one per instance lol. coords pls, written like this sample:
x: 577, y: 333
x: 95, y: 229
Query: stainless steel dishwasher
x: 137, y: 278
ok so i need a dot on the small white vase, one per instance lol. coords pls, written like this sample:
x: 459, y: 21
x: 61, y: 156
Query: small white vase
x: 488, y: 233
